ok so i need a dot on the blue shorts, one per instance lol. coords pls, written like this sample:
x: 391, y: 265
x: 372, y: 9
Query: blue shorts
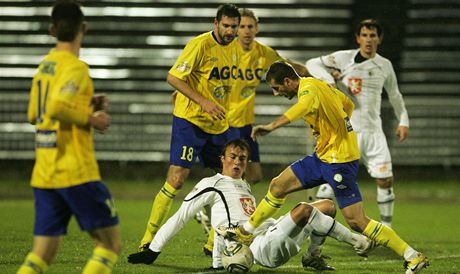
x: 312, y: 172
x: 245, y: 133
x: 91, y: 203
x: 188, y: 142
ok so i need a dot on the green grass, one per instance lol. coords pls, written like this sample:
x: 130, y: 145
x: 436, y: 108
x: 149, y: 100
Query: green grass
x: 426, y: 216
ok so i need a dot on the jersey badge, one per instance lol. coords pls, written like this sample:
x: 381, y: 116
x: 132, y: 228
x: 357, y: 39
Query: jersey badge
x: 247, y: 91
x: 355, y: 85
x: 248, y: 205
x: 183, y: 67
x: 69, y: 87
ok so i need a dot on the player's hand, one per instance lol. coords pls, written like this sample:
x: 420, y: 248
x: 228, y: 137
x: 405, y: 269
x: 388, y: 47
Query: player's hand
x: 100, y: 120
x: 336, y: 74
x: 261, y: 130
x: 402, y: 132
x: 144, y: 257
x: 100, y: 102
x: 213, y: 109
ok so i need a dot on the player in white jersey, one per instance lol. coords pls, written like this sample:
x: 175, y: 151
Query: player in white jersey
x: 231, y: 202
x: 363, y: 74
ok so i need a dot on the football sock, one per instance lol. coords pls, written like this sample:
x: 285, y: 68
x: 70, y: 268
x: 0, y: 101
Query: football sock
x: 326, y: 226
x: 101, y: 262
x: 160, y: 209
x: 325, y: 192
x: 266, y: 209
x: 33, y: 264
x: 385, y: 236
x: 210, y: 244
x: 385, y: 200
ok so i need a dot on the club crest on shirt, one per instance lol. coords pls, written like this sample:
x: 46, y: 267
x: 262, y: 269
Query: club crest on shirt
x: 183, y: 67
x: 69, y: 87
x: 355, y: 85
x: 248, y: 205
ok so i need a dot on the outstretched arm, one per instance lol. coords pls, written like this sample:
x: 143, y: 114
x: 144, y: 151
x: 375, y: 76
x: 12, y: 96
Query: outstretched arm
x: 266, y: 129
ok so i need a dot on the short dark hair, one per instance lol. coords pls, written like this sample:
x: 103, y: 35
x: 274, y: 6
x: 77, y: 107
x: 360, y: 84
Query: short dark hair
x: 229, y: 10
x: 279, y: 70
x: 67, y: 18
x: 241, y: 143
x: 370, y: 24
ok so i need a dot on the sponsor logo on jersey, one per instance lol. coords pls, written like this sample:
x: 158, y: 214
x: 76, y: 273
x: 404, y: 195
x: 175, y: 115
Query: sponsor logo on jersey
x: 355, y: 85
x: 46, y: 138
x: 248, y: 205
x: 303, y: 92
x: 234, y: 72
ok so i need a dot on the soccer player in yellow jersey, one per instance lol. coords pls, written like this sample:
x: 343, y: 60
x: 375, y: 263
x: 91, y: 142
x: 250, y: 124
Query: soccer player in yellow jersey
x: 66, y: 178
x: 255, y: 59
x: 203, y: 76
x: 335, y: 161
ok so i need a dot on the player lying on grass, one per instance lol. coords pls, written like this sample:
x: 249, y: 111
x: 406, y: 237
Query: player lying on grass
x: 231, y: 202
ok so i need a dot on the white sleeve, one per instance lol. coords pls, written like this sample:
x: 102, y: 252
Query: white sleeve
x: 395, y: 97
x: 193, y: 203
x: 319, y: 69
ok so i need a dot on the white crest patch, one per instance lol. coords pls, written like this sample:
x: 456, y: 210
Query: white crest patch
x: 338, y: 178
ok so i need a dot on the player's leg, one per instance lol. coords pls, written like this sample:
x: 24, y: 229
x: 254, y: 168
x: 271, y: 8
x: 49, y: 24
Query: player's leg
x: 43, y: 253
x: 375, y: 155
x: 163, y: 201
x: 108, y: 247
x: 52, y: 216
x: 253, y: 172
x: 95, y: 211
x: 385, y: 199
x: 187, y: 141
x: 325, y: 192
x: 286, y: 182
x: 383, y: 235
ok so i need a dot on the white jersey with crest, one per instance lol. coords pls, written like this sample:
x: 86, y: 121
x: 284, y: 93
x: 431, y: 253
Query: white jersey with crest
x: 364, y: 82
x: 230, y: 200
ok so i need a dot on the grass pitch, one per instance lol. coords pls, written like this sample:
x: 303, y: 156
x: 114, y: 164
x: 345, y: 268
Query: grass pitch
x: 426, y: 216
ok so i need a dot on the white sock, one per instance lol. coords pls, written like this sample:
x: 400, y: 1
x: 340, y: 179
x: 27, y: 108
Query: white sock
x: 324, y: 225
x: 325, y: 192
x: 410, y: 253
x: 385, y: 200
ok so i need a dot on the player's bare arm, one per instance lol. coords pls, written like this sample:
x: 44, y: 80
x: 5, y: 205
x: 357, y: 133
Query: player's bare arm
x: 263, y: 130
x: 212, y: 108
x: 402, y: 132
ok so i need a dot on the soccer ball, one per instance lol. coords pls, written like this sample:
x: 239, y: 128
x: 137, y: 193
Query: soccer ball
x: 236, y: 257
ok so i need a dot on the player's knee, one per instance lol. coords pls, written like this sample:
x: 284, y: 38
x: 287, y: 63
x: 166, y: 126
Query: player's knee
x: 385, y: 182
x: 328, y: 207
x: 277, y: 188
x: 301, y: 213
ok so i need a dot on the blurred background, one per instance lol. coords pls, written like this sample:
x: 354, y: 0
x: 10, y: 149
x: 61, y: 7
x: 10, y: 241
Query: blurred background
x: 131, y: 45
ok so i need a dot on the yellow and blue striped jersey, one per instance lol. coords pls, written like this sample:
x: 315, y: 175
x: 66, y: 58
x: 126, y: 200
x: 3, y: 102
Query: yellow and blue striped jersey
x: 209, y: 68
x: 64, y: 149
x: 251, y: 71
x: 327, y: 110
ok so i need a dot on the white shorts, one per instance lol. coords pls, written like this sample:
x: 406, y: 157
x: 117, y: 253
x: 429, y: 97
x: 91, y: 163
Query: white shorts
x: 279, y: 242
x: 375, y: 154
